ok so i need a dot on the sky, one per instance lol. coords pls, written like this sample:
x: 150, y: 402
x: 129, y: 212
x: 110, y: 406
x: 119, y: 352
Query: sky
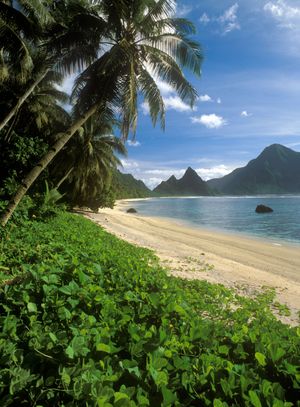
x: 249, y: 93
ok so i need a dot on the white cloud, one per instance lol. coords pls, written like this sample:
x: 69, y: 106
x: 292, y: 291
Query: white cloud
x: 152, y: 174
x: 133, y: 143
x: 293, y: 145
x: 129, y: 165
x: 183, y: 10
x: 171, y: 100
x: 286, y: 15
x: 214, y: 172
x: 145, y: 108
x: 229, y: 19
x: 171, y: 103
x: 204, y: 19
x: 205, y: 98
x: 175, y: 103
x: 152, y: 182
x: 154, y: 177
x: 227, y: 22
x: 246, y: 114
x: 211, y: 121
x: 219, y: 101
x: 164, y: 87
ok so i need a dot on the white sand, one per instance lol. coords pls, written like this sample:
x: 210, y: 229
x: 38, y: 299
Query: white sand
x: 245, y: 264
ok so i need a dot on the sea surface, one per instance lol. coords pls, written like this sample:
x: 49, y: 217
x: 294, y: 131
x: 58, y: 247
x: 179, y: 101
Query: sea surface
x: 232, y: 214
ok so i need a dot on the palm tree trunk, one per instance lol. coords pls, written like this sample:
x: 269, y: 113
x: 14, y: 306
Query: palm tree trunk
x: 64, y: 178
x: 22, y: 99
x: 36, y: 171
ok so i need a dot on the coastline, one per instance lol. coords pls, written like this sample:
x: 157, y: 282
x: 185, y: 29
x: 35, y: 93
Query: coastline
x: 245, y: 264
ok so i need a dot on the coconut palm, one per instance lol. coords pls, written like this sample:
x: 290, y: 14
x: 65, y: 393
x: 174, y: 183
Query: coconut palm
x: 66, y: 41
x: 29, y: 134
x: 89, y: 161
x: 41, y: 111
x: 143, y: 42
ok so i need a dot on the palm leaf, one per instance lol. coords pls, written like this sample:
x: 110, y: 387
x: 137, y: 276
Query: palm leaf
x: 153, y: 97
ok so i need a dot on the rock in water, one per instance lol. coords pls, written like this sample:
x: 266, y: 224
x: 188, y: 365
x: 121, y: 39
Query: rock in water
x: 263, y: 209
x: 131, y: 210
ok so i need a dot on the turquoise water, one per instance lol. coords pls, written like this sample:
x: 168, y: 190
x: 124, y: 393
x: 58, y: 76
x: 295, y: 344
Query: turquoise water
x: 231, y: 214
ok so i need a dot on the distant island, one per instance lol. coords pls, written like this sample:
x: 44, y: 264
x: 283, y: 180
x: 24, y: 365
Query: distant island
x: 275, y: 171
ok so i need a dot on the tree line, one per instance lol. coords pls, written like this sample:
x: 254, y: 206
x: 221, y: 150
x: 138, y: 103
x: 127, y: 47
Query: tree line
x: 116, y: 50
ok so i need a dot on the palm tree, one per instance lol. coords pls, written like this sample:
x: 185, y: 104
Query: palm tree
x: 67, y: 39
x: 143, y: 42
x: 29, y: 135
x: 40, y: 111
x: 88, y: 162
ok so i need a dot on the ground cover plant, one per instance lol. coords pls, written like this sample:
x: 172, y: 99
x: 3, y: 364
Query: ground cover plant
x: 90, y: 320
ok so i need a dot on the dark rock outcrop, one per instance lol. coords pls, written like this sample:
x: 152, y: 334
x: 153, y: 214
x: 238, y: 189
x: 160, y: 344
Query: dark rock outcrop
x: 131, y: 210
x: 263, y: 209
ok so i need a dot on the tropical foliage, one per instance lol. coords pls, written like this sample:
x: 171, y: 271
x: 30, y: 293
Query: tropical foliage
x: 88, y: 319
x: 120, y: 49
x: 89, y: 161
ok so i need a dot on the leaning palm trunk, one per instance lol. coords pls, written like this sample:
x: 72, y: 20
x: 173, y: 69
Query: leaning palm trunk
x: 36, y: 171
x: 64, y: 178
x: 22, y: 99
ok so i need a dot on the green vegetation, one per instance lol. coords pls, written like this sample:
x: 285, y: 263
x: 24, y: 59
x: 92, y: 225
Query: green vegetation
x: 126, y: 186
x: 90, y: 320
x: 119, y: 49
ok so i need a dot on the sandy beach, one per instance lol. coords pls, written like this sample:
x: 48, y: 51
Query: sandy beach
x: 242, y: 263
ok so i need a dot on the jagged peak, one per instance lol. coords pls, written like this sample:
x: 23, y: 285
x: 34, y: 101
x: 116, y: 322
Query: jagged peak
x: 172, y: 178
x: 190, y: 170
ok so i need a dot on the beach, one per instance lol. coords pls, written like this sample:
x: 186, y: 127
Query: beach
x: 245, y: 264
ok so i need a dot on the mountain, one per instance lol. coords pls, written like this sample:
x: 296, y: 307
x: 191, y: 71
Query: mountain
x: 275, y: 170
x: 189, y: 184
x: 126, y: 186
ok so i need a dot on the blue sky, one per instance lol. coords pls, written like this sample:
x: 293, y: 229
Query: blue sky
x: 249, y: 93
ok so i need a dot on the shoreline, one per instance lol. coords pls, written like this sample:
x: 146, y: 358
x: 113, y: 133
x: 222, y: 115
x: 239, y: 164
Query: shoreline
x: 244, y: 264
x: 123, y: 204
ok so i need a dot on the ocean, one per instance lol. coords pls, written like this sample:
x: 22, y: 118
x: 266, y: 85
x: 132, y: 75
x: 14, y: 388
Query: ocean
x: 231, y: 214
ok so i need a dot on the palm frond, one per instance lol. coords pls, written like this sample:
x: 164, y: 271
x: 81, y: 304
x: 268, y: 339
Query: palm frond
x: 156, y: 11
x: 164, y: 67
x: 152, y: 96
x: 17, y: 21
x: 185, y: 52
x: 129, y: 102
x: 37, y: 10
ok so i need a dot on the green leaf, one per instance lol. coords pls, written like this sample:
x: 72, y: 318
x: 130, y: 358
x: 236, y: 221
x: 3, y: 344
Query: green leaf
x: 218, y: 403
x: 53, y: 337
x: 31, y: 306
x: 102, y: 347
x: 70, y: 352
x: 260, y: 358
x: 254, y: 399
x: 161, y: 379
x: 224, y: 350
x: 120, y: 396
x: 65, y: 377
x: 168, y: 396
